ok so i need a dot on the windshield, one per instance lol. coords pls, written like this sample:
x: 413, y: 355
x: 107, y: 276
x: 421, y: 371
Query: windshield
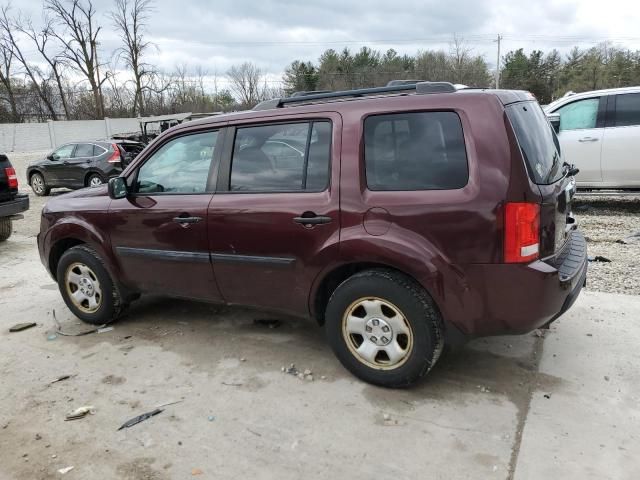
x: 538, y: 142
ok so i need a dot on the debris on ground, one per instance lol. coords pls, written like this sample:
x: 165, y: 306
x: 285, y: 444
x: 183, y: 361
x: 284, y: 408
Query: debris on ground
x: 547, y: 396
x: 38, y: 436
x: 64, y: 470
x: 18, y: 327
x: 292, y: 370
x: 243, y: 359
x: 267, y: 322
x: 484, y: 389
x: 52, y: 336
x: 232, y: 384
x: 196, y: 471
x: 211, y: 418
x: 606, y: 378
x: 104, y: 330
x: 599, y: 258
x: 140, y: 418
x: 61, y: 379
x: 633, y: 238
x: 78, y: 334
x: 539, y: 332
x: 388, y: 421
x: 79, y: 413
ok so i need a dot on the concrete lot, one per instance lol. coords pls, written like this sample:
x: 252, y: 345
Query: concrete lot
x: 565, y: 405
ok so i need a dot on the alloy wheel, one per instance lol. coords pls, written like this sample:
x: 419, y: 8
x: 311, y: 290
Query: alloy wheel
x: 83, y: 287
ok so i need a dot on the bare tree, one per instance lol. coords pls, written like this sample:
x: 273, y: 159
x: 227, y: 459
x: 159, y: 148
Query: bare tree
x: 130, y: 19
x: 9, y: 27
x: 6, y: 72
x: 246, y: 82
x: 41, y: 38
x: 80, y: 40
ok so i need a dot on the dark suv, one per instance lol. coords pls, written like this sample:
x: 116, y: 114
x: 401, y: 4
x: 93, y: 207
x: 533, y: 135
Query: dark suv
x: 401, y: 218
x: 81, y: 164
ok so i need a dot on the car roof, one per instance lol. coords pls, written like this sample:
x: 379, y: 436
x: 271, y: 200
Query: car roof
x: 571, y: 97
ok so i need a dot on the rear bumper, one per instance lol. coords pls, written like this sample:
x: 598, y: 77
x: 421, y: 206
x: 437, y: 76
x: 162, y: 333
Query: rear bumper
x: 13, y: 207
x: 506, y: 299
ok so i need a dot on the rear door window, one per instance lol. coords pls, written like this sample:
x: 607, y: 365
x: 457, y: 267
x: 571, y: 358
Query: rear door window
x: 83, y: 150
x: 281, y: 158
x: 415, y: 151
x: 627, y: 112
x: 538, y: 142
x: 579, y: 115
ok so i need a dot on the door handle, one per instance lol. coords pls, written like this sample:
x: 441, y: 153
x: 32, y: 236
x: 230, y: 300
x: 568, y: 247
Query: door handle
x: 309, y: 218
x: 187, y: 220
x: 65, y: 163
x: 588, y: 139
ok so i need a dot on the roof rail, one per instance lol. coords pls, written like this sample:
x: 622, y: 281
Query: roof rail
x: 420, y: 88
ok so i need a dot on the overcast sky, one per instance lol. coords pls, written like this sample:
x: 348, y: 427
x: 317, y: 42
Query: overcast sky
x: 215, y: 34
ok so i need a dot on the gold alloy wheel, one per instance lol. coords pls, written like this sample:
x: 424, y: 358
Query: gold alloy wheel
x: 83, y: 287
x: 377, y: 333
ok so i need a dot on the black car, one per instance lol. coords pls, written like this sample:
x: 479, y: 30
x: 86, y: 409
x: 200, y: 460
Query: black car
x: 81, y: 164
x: 12, y: 203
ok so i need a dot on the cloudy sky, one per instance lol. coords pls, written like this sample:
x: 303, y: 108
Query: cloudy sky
x: 215, y: 34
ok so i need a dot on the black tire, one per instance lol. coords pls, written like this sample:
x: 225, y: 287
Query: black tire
x: 110, y: 306
x: 38, y: 185
x: 414, y: 304
x: 93, y: 178
x: 6, y: 228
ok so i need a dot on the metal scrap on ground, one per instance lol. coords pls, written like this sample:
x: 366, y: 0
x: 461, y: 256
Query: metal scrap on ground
x: 18, y: 327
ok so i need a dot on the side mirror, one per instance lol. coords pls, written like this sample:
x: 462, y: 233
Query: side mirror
x: 52, y: 157
x: 117, y: 188
x: 554, y: 120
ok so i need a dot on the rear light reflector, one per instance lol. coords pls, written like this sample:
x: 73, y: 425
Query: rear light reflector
x: 521, y: 232
x: 12, y: 178
x: 115, y: 157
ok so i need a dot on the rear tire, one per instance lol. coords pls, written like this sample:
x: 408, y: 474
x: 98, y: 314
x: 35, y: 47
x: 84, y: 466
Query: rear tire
x: 6, y: 228
x: 384, y: 328
x: 38, y: 185
x: 94, y: 180
x: 87, y: 288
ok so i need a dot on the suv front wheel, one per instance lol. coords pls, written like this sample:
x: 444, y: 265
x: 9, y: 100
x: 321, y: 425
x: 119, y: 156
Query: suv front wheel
x: 87, y: 287
x: 384, y: 328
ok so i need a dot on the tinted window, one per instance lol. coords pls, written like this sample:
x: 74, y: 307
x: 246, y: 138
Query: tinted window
x: 537, y: 140
x: 281, y: 158
x: 83, y: 150
x: 627, y: 110
x: 179, y: 166
x: 65, y: 151
x: 580, y: 114
x: 415, y: 151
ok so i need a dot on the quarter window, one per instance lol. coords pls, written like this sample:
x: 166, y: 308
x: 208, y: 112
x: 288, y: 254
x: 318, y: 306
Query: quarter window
x: 179, y: 166
x: 281, y: 158
x: 415, y: 151
x: 627, y: 110
x: 579, y: 115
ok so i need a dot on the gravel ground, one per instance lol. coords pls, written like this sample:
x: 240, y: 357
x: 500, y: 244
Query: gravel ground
x: 603, y: 220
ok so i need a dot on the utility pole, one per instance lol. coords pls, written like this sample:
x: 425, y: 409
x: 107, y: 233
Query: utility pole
x: 498, y: 62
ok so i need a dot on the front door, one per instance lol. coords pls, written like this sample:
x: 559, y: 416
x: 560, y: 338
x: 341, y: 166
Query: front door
x: 621, y: 146
x: 274, y: 221
x: 581, y: 133
x: 56, y: 165
x: 160, y: 230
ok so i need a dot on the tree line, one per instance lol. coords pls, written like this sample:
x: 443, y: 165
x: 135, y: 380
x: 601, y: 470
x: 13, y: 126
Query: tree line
x: 63, y: 73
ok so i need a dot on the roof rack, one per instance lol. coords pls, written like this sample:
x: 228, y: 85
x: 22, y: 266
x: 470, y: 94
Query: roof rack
x: 419, y: 88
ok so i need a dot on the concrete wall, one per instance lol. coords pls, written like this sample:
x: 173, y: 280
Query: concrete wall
x: 24, y: 137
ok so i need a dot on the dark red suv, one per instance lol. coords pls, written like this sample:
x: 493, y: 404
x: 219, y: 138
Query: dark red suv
x: 401, y: 218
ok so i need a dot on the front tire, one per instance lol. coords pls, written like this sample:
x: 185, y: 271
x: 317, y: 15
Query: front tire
x: 6, y: 228
x: 384, y: 328
x: 87, y: 288
x: 38, y: 185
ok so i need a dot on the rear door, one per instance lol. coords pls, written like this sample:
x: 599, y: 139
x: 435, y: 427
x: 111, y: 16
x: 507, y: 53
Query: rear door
x: 581, y: 135
x: 78, y: 165
x: 159, y: 231
x: 274, y: 221
x: 621, y: 143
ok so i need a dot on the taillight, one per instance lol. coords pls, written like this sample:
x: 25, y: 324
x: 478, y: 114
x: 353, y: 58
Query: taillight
x: 521, y: 232
x: 12, y: 178
x: 115, y: 157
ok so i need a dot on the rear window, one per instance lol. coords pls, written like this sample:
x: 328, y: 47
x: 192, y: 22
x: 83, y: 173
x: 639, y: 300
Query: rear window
x: 538, y: 142
x: 415, y: 151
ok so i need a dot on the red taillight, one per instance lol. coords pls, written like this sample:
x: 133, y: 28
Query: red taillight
x: 115, y: 157
x: 12, y: 178
x: 521, y: 232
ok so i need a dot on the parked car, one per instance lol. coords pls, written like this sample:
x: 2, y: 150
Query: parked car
x: 12, y: 203
x: 599, y: 132
x: 81, y: 164
x: 417, y: 216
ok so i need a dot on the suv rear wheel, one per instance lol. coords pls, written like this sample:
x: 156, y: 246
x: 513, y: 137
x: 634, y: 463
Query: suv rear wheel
x: 94, y: 180
x: 38, y: 185
x: 6, y: 228
x: 87, y: 287
x: 384, y: 328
